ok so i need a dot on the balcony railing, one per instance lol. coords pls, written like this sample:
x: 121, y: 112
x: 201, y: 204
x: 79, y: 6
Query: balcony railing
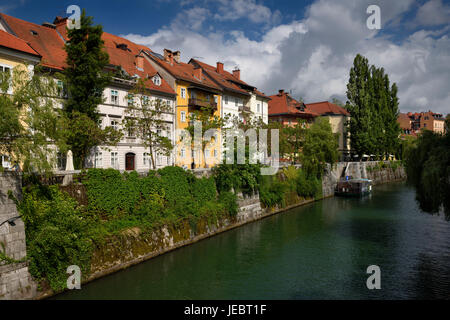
x: 195, y: 102
x: 244, y: 109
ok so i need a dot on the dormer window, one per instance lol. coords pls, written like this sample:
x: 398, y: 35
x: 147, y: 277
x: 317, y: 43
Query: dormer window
x: 33, y: 32
x: 122, y: 46
x: 157, y: 80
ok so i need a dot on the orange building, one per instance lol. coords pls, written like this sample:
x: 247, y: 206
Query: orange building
x: 412, y: 123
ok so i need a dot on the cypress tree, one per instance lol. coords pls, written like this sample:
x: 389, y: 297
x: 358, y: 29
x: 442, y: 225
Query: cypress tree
x: 86, y: 79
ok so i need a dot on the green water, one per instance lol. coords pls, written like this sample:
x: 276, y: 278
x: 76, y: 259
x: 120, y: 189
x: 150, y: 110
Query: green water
x: 318, y: 251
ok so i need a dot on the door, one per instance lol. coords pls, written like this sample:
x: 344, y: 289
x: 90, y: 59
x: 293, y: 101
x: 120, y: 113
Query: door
x: 130, y: 161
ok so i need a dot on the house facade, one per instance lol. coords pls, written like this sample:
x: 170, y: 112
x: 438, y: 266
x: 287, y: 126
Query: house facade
x: 239, y: 98
x: 195, y: 91
x: 128, y: 62
x: 412, y: 123
x: 15, y: 53
x: 338, y: 118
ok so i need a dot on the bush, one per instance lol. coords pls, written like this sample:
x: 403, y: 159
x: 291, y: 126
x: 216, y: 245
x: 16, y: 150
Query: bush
x: 229, y: 201
x: 272, y: 191
x: 57, y: 234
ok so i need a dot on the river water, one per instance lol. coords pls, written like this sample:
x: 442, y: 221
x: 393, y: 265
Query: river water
x: 318, y: 251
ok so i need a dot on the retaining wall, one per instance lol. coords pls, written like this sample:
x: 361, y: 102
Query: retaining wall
x: 15, y: 280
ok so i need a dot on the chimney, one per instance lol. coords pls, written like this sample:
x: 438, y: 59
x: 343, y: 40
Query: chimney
x: 280, y: 92
x: 168, y: 56
x: 59, y: 21
x: 219, y: 68
x: 140, y: 63
x: 176, y: 56
x: 237, y: 74
x: 198, y: 73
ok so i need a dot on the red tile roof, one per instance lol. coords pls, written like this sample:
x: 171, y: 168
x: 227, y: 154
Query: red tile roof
x: 224, y: 79
x: 49, y: 42
x: 12, y: 42
x: 185, y: 71
x: 44, y: 40
x: 283, y: 104
x: 327, y: 108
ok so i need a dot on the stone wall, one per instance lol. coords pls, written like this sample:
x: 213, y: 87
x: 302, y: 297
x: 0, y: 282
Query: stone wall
x: 15, y: 280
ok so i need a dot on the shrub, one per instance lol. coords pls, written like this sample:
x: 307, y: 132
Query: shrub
x: 229, y: 201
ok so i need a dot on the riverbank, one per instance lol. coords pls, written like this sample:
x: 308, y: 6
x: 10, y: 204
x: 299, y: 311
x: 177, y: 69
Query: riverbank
x: 133, y: 247
x: 315, y: 251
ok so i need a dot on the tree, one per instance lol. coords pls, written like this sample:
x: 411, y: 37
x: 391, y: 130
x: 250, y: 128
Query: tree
x: 209, y: 121
x: 373, y: 106
x: 145, y: 120
x: 86, y: 80
x: 30, y: 123
x: 320, y: 147
x: 428, y: 169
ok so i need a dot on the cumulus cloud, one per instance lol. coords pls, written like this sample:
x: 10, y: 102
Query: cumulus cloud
x: 312, y: 57
x: 432, y: 13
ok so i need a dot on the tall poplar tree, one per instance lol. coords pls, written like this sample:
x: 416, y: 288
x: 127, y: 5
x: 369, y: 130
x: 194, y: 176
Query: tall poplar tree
x: 373, y: 105
x: 86, y: 80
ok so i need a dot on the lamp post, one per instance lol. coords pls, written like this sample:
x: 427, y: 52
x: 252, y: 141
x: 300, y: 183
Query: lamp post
x: 11, y: 221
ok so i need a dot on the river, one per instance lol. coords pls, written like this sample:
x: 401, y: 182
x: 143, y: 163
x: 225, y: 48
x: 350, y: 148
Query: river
x: 318, y: 251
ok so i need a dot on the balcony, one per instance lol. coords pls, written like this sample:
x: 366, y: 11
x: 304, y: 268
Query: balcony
x: 244, y: 109
x: 202, y: 103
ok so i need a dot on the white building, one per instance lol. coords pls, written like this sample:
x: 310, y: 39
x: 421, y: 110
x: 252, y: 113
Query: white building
x: 127, y: 60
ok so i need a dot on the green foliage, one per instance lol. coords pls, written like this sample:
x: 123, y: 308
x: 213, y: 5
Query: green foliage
x: 373, y: 105
x: 320, y: 147
x: 240, y: 177
x: 61, y: 232
x: 428, y: 169
x: 144, y: 121
x: 28, y: 121
x: 86, y: 80
x: 229, y: 201
x: 272, y: 191
x: 56, y: 234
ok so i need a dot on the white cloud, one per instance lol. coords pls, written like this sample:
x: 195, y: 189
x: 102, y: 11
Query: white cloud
x: 237, y: 9
x: 433, y: 13
x: 312, y: 57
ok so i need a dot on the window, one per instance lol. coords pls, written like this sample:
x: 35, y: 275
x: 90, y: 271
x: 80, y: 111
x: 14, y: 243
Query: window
x: 258, y: 107
x: 131, y: 132
x: 61, y: 87
x: 183, y: 93
x: 130, y: 99
x: 114, y: 124
x: 100, y: 123
x: 115, y: 97
x: 207, y: 151
x: 183, y: 116
x: 216, y: 99
x: 98, y: 160
x: 145, y: 100
x: 157, y: 80
x: 146, y: 159
x: 7, y: 69
x: 193, y: 95
x: 115, y: 160
x: 226, y: 99
x: 207, y: 98
x: 215, y: 153
x: 236, y: 101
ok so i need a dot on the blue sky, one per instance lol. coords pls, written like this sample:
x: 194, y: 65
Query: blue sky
x: 306, y: 47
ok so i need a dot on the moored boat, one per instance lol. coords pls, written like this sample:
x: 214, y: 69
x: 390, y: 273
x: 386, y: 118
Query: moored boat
x: 353, y: 188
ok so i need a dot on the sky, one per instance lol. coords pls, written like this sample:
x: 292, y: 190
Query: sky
x: 304, y: 47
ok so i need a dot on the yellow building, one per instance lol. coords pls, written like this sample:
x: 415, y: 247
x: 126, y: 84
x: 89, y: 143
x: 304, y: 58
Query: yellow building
x: 15, y: 53
x: 194, y: 92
